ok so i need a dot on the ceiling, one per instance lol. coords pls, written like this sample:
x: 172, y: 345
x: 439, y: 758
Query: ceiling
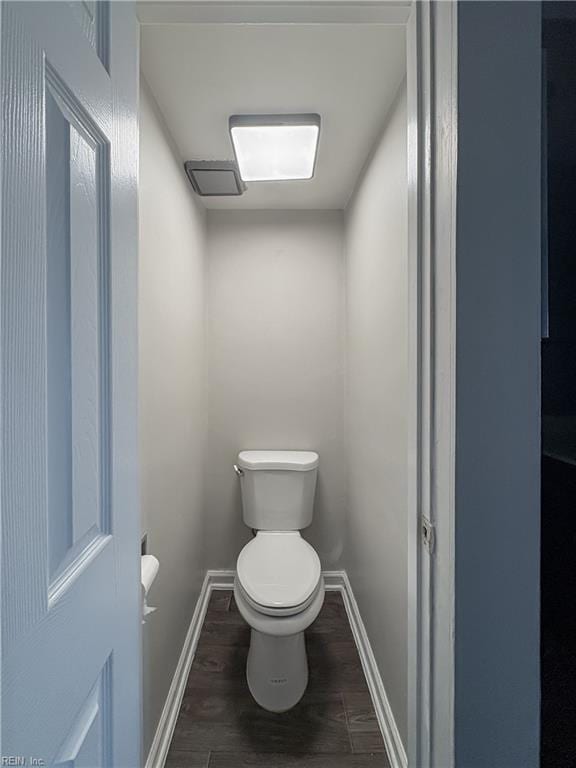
x: 200, y: 74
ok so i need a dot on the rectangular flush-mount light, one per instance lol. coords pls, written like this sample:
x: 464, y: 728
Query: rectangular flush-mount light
x: 275, y: 147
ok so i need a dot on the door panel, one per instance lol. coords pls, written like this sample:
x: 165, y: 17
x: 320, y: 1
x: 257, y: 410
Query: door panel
x: 70, y: 523
x: 93, y: 19
x: 88, y: 743
x: 77, y: 298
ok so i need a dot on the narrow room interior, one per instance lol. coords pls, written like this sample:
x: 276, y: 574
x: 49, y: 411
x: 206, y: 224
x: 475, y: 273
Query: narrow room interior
x: 275, y: 320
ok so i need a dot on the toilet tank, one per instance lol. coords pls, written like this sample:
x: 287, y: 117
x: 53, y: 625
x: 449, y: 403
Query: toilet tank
x: 278, y: 488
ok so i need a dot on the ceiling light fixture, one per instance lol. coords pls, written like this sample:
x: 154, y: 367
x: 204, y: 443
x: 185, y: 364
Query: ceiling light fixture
x: 275, y: 147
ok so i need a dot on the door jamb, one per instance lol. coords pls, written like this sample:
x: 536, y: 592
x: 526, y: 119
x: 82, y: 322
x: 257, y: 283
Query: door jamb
x: 432, y: 142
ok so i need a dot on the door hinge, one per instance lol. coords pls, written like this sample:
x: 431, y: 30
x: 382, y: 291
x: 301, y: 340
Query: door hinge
x: 428, y: 534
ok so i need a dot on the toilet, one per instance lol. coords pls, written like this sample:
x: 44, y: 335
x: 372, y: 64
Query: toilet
x: 278, y: 587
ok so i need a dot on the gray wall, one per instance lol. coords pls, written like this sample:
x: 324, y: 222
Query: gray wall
x: 172, y: 413
x: 497, y: 386
x: 377, y: 335
x: 275, y: 342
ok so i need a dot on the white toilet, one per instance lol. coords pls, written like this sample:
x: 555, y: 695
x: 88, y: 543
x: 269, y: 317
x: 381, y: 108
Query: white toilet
x: 279, y: 588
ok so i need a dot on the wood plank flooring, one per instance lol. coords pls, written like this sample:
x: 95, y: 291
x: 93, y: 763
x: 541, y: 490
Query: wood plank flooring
x: 221, y: 726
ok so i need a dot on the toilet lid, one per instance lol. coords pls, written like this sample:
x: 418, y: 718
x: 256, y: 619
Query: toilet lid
x: 278, y: 569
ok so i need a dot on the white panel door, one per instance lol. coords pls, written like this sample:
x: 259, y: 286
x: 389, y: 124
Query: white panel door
x: 70, y: 642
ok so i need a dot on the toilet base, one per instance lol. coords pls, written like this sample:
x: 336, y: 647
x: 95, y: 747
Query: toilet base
x: 277, y: 670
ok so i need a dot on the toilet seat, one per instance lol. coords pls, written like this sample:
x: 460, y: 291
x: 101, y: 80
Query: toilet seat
x: 279, y: 573
x: 291, y: 610
x: 279, y: 626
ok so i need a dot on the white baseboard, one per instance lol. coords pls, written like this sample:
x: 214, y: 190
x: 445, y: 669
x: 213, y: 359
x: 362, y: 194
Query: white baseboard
x: 163, y: 736
x: 221, y: 579
x: 333, y: 581
x: 338, y: 580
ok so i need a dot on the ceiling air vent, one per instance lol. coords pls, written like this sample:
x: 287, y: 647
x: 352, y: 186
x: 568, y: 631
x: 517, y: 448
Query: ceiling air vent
x: 214, y: 178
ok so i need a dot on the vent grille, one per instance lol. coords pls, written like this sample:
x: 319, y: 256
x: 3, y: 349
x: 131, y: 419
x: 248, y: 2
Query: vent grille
x: 214, y: 178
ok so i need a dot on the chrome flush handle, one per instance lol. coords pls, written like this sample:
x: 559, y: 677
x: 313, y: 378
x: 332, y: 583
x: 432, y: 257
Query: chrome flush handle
x: 239, y: 472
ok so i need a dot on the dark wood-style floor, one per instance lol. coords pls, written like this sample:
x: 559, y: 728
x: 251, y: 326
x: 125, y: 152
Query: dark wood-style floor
x: 221, y: 726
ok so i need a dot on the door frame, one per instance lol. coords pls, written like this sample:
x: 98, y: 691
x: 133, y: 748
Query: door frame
x: 431, y: 36
x: 432, y: 145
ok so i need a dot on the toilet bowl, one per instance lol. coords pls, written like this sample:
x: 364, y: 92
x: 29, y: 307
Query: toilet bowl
x: 279, y: 591
x: 278, y: 587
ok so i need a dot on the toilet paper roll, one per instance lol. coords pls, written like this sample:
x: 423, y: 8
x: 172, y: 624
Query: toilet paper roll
x: 149, y: 566
x: 149, y: 569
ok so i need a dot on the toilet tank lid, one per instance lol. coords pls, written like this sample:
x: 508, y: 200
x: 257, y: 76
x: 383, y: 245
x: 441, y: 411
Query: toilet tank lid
x: 299, y: 461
